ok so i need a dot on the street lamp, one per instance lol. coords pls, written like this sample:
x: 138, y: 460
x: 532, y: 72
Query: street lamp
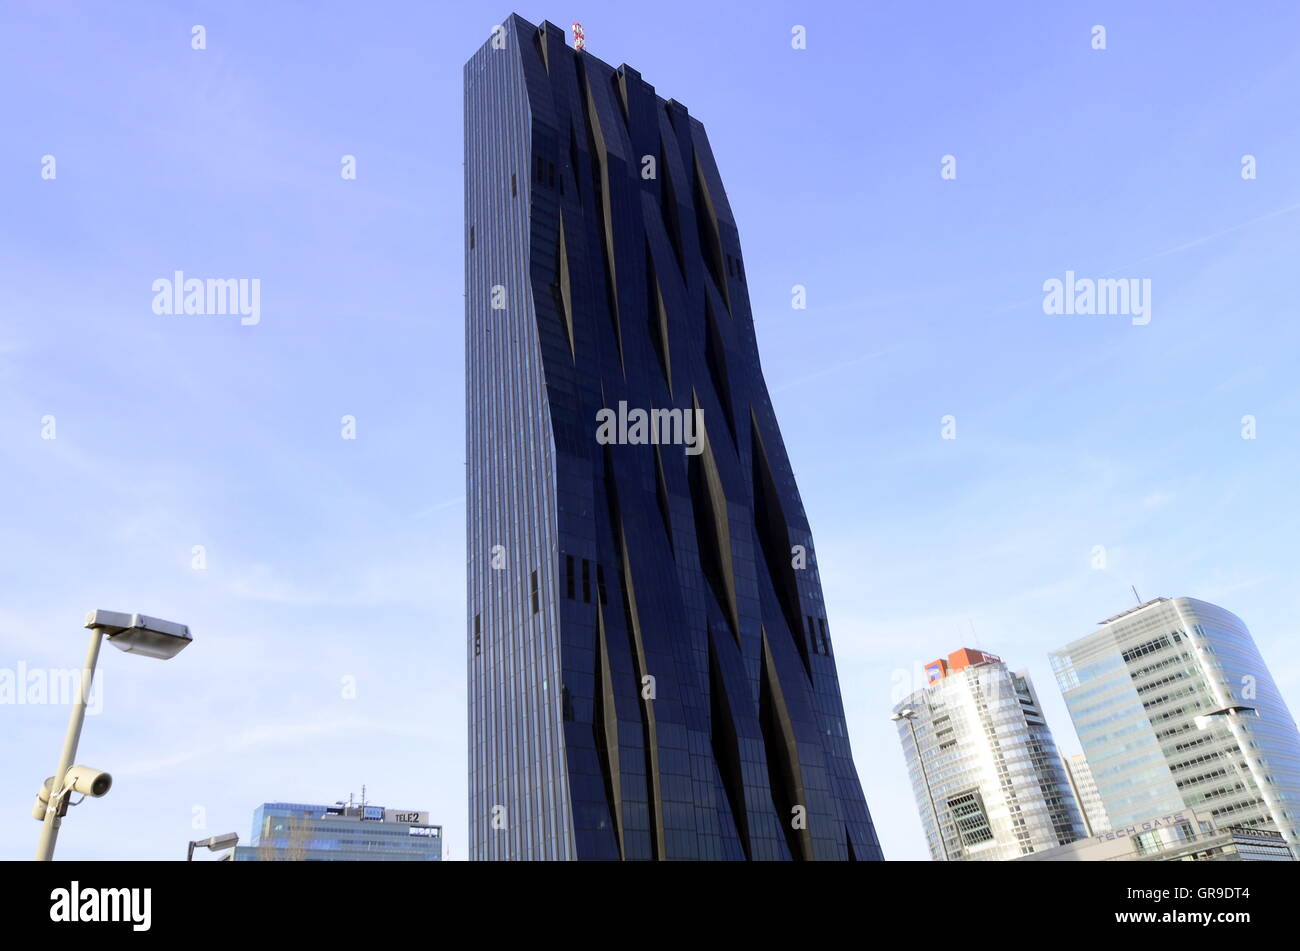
x: 909, y: 715
x: 1204, y: 721
x: 135, y: 634
x: 216, y: 843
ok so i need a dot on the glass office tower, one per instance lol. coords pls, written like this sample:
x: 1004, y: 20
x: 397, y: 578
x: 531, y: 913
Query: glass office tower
x: 1176, y: 711
x: 988, y: 780
x: 651, y: 669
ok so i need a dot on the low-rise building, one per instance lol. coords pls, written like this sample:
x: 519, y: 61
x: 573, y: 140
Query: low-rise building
x: 1178, y: 837
x: 343, y: 832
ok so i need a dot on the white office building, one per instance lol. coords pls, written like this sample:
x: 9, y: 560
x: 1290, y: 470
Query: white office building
x: 1176, y: 712
x: 988, y: 780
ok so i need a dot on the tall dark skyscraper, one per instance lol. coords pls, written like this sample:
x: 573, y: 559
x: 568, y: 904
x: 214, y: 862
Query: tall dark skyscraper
x: 651, y: 671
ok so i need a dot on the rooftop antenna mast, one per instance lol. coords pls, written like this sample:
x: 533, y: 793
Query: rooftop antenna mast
x: 1136, y: 595
x: 579, y: 38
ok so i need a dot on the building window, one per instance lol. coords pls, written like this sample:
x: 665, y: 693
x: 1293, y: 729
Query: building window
x: 514, y: 187
x: 600, y: 584
x: 471, y: 237
x: 478, y: 636
x: 967, y: 812
x: 586, y: 581
x: 568, y: 577
x: 533, y: 592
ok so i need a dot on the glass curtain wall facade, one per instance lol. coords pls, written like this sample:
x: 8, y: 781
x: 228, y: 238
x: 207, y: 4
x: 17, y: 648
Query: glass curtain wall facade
x: 988, y: 780
x: 1176, y: 710
x: 651, y: 670
x: 1086, y: 794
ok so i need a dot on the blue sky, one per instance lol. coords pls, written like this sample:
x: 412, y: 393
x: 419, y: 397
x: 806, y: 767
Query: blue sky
x: 330, y: 558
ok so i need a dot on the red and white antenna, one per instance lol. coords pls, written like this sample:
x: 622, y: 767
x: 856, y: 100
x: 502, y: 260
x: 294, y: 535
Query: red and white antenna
x: 579, y: 38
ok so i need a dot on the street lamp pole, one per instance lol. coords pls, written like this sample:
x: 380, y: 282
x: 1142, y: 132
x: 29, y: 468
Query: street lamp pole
x: 58, y: 796
x: 134, y: 634
x: 910, y: 716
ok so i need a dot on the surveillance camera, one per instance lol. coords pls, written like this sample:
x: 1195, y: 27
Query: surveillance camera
x: 89, y: 782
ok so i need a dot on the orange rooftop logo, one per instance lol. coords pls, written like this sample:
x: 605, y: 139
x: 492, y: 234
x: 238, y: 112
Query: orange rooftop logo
x: 958, y: 660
